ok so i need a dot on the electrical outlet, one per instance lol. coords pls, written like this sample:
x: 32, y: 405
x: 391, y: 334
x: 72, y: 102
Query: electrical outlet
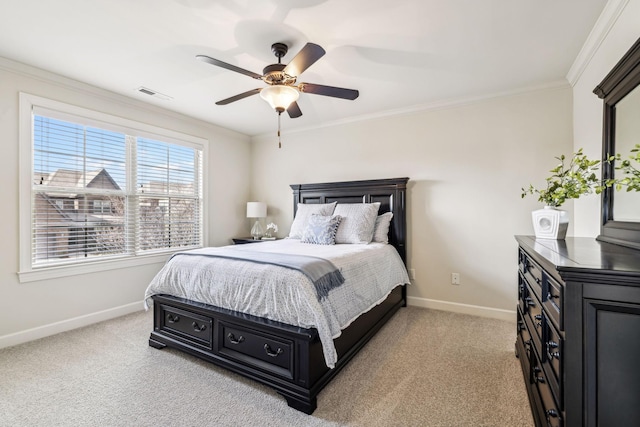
x: 455, y: 278
x: 412, y: 274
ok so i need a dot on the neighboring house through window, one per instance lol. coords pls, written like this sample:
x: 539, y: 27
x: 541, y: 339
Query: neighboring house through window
x: 104, y: 189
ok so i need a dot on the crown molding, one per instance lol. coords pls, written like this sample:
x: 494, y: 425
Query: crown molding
x: 49, y: 77
x: 421, y: 108
x: 607, y: 19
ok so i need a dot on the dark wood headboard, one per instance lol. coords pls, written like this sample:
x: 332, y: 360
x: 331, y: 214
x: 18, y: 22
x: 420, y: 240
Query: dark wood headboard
x: 391, y: 193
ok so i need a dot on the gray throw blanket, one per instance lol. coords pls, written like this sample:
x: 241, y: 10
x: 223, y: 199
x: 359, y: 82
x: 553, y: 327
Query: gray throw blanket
x: 322, y: 273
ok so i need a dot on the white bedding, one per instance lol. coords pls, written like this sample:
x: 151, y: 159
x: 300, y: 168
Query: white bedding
x: 371, y: 272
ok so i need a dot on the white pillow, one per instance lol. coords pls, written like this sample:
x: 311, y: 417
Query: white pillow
x: 304, y: 212
x: 358, y: 221
x: 381, y: 229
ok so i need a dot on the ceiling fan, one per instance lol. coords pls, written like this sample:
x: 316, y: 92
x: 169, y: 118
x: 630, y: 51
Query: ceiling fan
x: 282, y: 91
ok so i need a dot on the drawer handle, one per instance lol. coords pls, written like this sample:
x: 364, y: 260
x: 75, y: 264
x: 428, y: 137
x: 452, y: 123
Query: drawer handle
x: 552, y: 413
x: 173, y: 319
x: 538, y: 317
x: 537, y: 370
x: 198, y: 328
x: 233, y: 340
x: 552, y: 296
x: 555, y: 354
x: 530, y: 302
x: 270, y: 352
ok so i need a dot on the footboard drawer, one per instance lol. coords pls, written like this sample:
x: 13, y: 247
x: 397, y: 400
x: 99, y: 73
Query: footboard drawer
x: 194, y: 328
x: 269, y: 353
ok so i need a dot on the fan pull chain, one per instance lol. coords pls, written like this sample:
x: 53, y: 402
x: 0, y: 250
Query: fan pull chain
x: 279, y: 143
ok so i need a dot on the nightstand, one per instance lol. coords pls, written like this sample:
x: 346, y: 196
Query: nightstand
x: 244, y: 240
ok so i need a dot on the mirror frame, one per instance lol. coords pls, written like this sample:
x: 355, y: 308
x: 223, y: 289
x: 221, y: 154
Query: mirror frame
x: 620, y: 81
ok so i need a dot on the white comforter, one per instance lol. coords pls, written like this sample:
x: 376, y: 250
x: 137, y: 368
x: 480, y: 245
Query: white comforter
x: 371, y: 272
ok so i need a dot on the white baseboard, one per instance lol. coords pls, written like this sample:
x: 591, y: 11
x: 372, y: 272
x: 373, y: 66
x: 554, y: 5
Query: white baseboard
x: 88, y: 319
x: 475, y: 310
x: 67, y: 325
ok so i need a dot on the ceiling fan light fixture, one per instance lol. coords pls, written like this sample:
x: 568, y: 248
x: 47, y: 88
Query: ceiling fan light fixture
x: 279, y: 96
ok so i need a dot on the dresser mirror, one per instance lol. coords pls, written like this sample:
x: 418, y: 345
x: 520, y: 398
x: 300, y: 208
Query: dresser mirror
x: 620, y: 91
x: 627, y: 135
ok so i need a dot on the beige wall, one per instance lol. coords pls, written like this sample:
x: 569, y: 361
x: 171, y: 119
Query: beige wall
x: 587, y: 113
x: 30, y: 310
x: 466, y: 165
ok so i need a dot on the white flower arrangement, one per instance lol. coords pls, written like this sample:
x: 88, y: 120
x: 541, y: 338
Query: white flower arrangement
x: 271, y: 230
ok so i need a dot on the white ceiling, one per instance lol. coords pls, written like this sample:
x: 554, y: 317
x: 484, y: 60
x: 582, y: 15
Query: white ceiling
x: 399, y: 54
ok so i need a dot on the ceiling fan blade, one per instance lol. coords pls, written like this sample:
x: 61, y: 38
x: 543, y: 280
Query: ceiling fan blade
x: 218, y: 63
x: 309, y: 54
x: 336, y: 92
x: 238, y: 97
x: 294, y: 110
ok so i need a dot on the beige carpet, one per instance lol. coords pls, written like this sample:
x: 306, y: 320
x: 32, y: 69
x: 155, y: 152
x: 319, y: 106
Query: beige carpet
x: 424, y: 368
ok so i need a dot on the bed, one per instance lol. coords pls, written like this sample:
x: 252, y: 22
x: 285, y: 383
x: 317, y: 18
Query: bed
x: 291, y: 359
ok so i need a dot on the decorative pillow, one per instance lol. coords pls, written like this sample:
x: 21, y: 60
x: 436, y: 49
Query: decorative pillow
x: 381, y: 229
x: 358, y: 221
x: 321, y: 229
x: 303, y: 213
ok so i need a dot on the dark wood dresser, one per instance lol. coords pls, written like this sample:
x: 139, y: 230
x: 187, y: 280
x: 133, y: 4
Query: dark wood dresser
x: 578, y: 337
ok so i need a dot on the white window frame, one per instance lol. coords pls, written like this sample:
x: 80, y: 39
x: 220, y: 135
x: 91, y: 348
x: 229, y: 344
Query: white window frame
x: 27, y: 272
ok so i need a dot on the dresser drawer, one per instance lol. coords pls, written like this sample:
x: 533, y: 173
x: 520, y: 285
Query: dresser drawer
x: 533, y: 317
x: 548, y: 410
x: 265, y: 352
x: 553, y: 352
x: 194, y: 328
x: 523, y: 293
x: 523, y: 342
x: 523, y: 353
x: 553, y: 301
x: 523, y: 330
x: 532, y: 272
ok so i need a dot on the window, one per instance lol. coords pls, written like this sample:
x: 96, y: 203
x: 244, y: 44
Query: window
x: 104, y: 189
x: 102, y: 207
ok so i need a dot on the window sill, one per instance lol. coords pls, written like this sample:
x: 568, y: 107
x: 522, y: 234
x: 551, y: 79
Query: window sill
x: 53, y: 272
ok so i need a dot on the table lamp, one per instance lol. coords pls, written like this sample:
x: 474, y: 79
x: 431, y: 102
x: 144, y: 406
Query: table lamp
x: 256, y: 210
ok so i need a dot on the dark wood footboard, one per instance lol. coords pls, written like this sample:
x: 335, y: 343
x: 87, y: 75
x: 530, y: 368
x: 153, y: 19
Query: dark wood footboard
x: 287, y: 358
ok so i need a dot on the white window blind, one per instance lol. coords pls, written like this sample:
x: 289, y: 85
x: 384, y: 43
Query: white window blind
x: 100, y: 193
x: 168, y: 194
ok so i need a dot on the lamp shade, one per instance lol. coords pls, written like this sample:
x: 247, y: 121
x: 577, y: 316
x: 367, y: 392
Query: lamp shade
x: 279, y: 96
x: 256, y: 210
